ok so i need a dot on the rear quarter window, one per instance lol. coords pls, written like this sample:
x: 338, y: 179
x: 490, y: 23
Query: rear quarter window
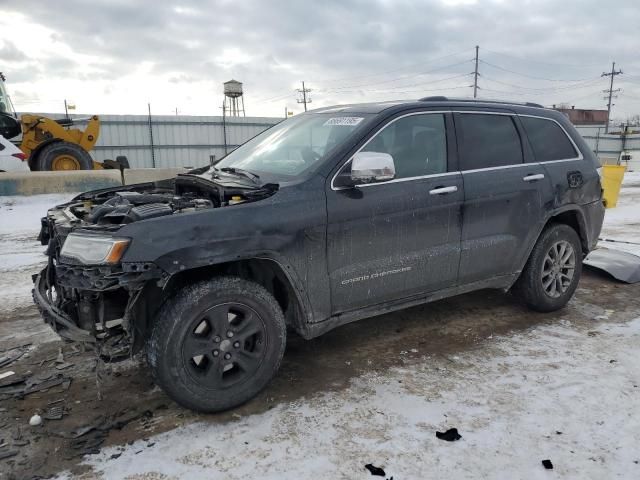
x: 548, y: 140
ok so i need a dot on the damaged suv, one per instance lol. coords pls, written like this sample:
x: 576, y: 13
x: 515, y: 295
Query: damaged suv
x: 331, y: 216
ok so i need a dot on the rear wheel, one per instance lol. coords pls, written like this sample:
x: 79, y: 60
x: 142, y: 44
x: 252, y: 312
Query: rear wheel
x: 216, y: 344
x: 553, y: 270
x: 63, y: 156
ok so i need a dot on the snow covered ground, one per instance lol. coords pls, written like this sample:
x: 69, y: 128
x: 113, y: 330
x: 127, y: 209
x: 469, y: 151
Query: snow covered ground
x: 516, y: 401
x: 20, y: 253
x: 565, y: 389
x: 623, y: 222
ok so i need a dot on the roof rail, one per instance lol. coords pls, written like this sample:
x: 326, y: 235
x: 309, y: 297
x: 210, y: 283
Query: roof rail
x: 440, y: 98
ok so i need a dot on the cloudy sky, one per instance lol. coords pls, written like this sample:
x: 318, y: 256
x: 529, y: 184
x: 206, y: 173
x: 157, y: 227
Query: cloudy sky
x: 114, y: 56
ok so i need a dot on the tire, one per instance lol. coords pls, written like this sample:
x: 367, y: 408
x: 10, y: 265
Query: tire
x: 195, y: 323
x: 63, y: 156
x: 538, y: 287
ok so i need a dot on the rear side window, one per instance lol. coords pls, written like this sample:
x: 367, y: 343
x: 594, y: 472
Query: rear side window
x: 487, y: 141
x: 548, y: 140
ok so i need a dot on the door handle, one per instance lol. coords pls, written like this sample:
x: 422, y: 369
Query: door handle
x: 443, y: 190
x: 533, y: 178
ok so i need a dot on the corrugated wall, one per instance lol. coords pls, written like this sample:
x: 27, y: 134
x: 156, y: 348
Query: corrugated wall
x: 608, y: 146
x: 189, y: 141
x: 178, y: 141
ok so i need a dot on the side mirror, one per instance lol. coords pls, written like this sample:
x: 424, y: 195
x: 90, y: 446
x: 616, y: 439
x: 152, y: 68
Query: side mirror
x: 368, y: 167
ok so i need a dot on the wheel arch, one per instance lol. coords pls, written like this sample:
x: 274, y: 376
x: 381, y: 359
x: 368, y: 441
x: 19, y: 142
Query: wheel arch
x: 570, y: 215
x: 574, y: 218
x: 275, y: 277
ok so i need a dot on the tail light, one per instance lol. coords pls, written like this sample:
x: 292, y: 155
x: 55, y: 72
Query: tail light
x: 20, y: 155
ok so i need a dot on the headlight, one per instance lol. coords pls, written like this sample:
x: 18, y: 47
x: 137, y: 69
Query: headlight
x: 93, y: 249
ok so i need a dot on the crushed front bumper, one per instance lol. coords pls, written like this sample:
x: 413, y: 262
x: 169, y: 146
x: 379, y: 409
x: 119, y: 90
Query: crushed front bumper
x: 61, y: 322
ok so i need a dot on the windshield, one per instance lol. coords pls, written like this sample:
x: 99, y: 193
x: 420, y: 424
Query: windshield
x: 293, y: 146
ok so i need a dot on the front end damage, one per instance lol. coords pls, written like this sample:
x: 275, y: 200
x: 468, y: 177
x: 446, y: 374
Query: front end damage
x: 93, y: 305
x: 107, y: 304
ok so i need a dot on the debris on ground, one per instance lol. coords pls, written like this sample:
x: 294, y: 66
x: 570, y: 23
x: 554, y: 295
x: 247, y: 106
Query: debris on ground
x: 11, y: 355
x: 547, y: 464
x: 6, y: 453
x: 35, y: 420
x: 35, y: 383
x: 450, y: 435
x: 377, y: 471
x: 87, y: 439
x: 54, y: 413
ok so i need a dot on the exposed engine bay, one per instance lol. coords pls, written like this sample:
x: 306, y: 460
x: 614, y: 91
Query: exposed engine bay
x: 140, y: 202
x: 95, y: 302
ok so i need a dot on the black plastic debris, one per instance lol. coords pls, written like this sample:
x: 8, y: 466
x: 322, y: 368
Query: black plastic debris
x: 54, y: 413
x: 7, y: 357
x: 377, y: 471
x: 450, y: 435
x: 7, y: 453
x: 547, y: 464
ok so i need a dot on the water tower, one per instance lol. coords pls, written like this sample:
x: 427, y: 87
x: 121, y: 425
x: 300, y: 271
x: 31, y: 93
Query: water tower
x: 233, y: 99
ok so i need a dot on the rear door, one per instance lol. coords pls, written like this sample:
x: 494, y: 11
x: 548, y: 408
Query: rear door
x: 504, y: 195
x: 399, y: 238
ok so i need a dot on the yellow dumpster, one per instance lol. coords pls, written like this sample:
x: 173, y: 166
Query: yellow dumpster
x: 611, y: 181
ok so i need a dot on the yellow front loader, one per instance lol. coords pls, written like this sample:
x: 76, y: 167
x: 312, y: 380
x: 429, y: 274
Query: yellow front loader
x: 49, y: 146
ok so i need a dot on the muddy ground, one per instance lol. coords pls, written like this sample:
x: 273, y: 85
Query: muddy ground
x: 118, y: 404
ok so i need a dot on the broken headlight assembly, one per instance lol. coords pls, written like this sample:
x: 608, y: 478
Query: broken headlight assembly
x: 94, y: 249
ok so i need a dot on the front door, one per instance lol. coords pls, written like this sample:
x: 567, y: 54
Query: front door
x: 399, y: 238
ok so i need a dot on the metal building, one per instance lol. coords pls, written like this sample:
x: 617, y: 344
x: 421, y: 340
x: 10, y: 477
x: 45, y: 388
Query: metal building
x: 178, y: 141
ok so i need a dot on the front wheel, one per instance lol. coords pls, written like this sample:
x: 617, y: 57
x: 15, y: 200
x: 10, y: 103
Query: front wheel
x: 217, y: 343
x: 63, y: 156
x: 551, y: 275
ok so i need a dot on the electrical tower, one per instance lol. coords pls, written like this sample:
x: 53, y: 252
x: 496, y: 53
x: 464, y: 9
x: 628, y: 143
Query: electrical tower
x: 306, y: 98
x: 610, y: 91
x: 475, y: 75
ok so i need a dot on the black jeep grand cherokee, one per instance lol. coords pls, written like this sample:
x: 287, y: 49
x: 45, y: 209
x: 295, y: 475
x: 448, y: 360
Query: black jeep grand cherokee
x: 328, y: 217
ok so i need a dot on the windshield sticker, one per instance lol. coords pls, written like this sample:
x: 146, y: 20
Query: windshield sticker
x: 343, y: 121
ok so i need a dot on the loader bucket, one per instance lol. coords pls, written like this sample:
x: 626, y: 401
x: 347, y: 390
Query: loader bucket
x: 623, y: 266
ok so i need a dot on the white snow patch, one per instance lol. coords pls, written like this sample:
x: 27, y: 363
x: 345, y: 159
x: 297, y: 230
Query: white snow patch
x: 21, y: 254
x: 508, y: 399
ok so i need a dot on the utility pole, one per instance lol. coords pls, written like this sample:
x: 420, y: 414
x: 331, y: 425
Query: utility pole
x: 612, y: 74
x: 304, y: 91
x: 475, y: 76
x: 153, y: 153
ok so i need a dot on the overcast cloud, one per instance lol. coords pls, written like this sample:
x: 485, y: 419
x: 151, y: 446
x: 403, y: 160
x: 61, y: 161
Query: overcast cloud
x: 114, y: 56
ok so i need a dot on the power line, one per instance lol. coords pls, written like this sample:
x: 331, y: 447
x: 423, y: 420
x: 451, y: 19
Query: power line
x: 612, y: 74
x: 392, y: 88
x: 396, y: 69
x: 531, y: 76
x: 402, y: 91
x: 528, y: 60
x: 398, y: 78
x: 545, y: 89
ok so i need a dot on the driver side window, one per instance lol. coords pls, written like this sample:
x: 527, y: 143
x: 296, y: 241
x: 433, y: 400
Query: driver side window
x: 417, y: 143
